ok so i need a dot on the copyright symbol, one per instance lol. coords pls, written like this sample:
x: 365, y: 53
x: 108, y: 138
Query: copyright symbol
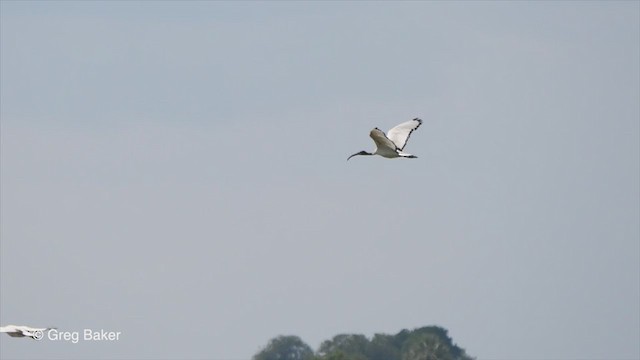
x: 38, y: 334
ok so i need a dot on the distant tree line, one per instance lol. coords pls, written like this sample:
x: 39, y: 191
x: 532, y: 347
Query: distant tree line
x: 426, y: 343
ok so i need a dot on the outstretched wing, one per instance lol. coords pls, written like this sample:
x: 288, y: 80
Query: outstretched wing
x: 381, y: 140
x: 400, y: 134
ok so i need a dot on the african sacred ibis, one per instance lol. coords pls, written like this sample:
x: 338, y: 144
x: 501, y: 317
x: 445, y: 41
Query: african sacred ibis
x: 24, y: 331
x: 392, y: 144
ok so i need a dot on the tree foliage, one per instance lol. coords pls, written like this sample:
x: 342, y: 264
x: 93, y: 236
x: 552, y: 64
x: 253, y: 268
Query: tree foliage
x: 384, y: 347
x: 353, y: 346
x: 285, y: 348
x: 431, y: 343
x: 426, y: 343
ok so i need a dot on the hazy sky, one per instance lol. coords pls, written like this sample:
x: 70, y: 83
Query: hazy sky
x: 177, y: 172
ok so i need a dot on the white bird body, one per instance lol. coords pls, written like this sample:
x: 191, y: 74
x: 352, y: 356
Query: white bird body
x: 23, y: 331
x: 391, y: 145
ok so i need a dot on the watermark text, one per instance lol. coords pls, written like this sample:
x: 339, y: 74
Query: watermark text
x: 84, y: 335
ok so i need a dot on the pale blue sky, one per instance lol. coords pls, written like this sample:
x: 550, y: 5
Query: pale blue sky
x: 176, y: 171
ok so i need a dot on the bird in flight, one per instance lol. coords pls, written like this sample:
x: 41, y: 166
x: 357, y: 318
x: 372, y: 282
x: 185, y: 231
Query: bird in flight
x: 392, y: 144
x: 24, y: 331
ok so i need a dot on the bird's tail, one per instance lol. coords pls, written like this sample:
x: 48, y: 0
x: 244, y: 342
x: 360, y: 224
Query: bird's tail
x: 408, y: 156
